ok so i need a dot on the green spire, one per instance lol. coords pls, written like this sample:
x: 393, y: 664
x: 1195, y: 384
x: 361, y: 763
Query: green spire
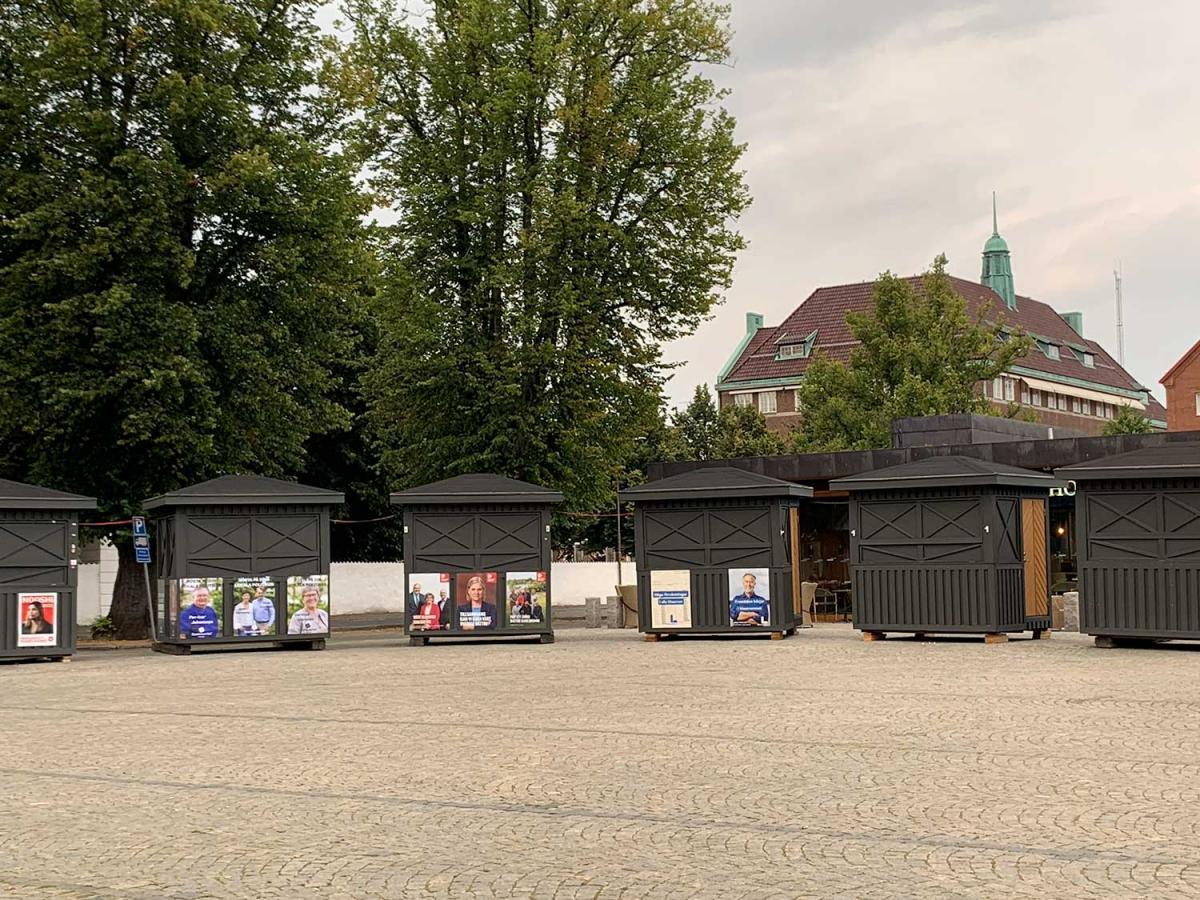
x: 997, y: 264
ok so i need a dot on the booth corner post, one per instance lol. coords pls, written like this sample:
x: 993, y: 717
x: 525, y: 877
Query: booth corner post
x: 1137, y: 522
x: 243, y: 561
x: 477, y: 558
x: 39, y: 570
x: 717, y: 553
x: 950, y: 545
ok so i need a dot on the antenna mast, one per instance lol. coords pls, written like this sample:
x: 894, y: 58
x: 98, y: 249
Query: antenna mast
x: 1120, y: 318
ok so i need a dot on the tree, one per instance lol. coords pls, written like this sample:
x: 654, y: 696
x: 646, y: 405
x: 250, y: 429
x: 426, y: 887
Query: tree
x: 920, y: 354
x: 1127, y: 421
x: 742, y: 431
x: 697, y: 425
x: 180, y: 250
x: 564, y: 184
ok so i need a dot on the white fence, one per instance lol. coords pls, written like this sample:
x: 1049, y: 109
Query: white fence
x: 370, y: 587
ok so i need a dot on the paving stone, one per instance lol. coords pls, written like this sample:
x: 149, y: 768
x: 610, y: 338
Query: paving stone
x: 603, y: 767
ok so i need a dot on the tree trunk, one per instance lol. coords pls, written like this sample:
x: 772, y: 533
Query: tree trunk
x: 128, y: 613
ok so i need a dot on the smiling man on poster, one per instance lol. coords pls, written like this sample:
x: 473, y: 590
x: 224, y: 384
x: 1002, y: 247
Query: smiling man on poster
x: 748, y: 606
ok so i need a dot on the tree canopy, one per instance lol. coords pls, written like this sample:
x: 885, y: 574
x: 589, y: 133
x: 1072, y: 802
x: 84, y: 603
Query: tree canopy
x: 921, y: 353
x: 180, y: 247
x: 1127, y: 421
x: 562, y: 184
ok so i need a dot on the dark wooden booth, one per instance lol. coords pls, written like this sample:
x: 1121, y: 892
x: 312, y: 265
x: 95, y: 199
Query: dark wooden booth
x: 477, y: 558
x: 949, y: 544
x: 1137, y: 518
x: 39, y: 570
x: 717, y: 553
x: 242, y: 560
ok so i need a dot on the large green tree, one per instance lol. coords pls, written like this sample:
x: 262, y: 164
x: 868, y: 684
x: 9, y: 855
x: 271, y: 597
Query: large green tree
x: 180, y: 249
x: 920, y: 353
x: 563, y: 183
x: 1127, y: 421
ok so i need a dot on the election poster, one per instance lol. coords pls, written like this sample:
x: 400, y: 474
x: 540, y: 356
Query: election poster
x: 201, y: 601
x: 427, y: 603
x: 475, y: 600
x: 671, y: 598
x: 37, y: 620
x: 308, y: 604
x: 253, y: 612
x: 749, y: 597
x: 527, y: 603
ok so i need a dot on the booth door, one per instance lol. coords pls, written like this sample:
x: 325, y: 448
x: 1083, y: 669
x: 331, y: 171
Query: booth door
x: 1037, y: 575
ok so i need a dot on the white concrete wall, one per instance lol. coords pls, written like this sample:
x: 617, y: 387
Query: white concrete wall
x: 369, y: 587
x: 379, y: 587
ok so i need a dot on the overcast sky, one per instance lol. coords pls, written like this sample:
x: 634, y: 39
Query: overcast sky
x: 877, y: 130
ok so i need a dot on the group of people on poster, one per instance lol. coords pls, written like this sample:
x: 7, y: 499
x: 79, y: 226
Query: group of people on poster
x: 474, y: 605
x: 671, y: 598
x: 200, y: 604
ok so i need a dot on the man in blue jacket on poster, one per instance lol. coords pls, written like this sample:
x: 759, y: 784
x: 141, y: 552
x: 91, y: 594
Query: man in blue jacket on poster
x: 748, y: 608
x: 198, y: 620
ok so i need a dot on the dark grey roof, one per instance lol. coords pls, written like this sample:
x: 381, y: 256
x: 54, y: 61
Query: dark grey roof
x: 18, y: 495
x: 476, y: 488
x: 245, y: 490
x: 1167, y: 461
x: 716, y: 482
x: 945, y: 471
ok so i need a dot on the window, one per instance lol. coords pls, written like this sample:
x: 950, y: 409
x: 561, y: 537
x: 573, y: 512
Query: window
x: 743, y: 399
x: 766, y: 402
x: 1035, y: 397
x: 796, y: 349
x: 997, y: 388
x: 1062, y: 402
x: 796, y: 399
x: 1089, y: 360
x: 1052, y: 351
x: 1198, y: 403
x: 1087, y: 407
x: 1025, y: 394
x: 792, y: 351
x: 1076, y: 406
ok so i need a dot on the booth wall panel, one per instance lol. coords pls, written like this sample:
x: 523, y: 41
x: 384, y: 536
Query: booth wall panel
x: 1010, y: 596
x: 35, y: 548
x: 64, y: 614
x: 949, y: 598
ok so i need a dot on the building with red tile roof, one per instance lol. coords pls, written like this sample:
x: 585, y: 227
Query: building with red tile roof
x: 1066, y: 380
x: 1182, y: 382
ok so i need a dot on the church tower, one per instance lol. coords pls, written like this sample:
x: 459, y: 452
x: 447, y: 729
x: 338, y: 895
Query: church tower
x: 997, y: 264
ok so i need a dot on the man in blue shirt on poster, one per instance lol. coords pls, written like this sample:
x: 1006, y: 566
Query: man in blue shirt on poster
x: 263, y: 610
x: 199, y: 620
x: 748, y: 608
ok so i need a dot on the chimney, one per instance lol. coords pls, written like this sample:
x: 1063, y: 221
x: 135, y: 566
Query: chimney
x: 754, y: 321
x: 1075, y: 320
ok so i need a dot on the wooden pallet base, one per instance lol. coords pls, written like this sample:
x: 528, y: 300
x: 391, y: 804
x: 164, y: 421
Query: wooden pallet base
x: 777, y: 635
x: 1041, y: 635
x: 995, y: 638
x: 874, y: 636
x: 653, y: 638
x: 546, y: 639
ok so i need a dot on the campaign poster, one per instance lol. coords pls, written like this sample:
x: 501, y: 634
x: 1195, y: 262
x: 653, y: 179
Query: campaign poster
x: 308, y: 604
x: 37, y: 620
x: 749, y: 597
x: 427, y: 603
x: 671, y: 599
x: 253, y: 612
x: 527, y: 604
x: 475, y: 600
x: 201, y: 601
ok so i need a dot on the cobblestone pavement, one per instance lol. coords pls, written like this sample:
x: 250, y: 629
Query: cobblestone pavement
x: 604, y: 767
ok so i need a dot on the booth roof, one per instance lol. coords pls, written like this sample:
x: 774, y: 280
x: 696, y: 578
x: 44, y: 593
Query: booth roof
x: 17, y: 495
x: 476, y: 488
x: 945, y: 471
x: 245, y: 490
x: 717, y: 482
x: 1166, y: 461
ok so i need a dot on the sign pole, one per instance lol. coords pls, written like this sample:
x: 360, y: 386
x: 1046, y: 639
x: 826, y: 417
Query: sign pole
x: 141, y: 549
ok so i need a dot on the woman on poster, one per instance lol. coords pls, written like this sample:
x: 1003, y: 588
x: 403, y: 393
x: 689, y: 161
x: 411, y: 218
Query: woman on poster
x: 35, y: 620
x: 429, y: 614
x: 310, y: 618
x: 476, y: 612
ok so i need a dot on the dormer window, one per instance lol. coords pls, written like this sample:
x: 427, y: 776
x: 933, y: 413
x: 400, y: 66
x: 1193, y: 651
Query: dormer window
x: 1051, y: 351
x: 1089, y: 360
x: 791, y: 347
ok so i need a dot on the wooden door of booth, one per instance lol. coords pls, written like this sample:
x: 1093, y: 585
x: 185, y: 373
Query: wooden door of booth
x: 1036, y: 557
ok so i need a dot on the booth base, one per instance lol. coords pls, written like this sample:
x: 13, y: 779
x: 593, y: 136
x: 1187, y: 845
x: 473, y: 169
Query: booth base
x: 175, y: 649
x: 989, y: 637
x: 655, y: 636
x: 64, y: 656
x: 423, y: 640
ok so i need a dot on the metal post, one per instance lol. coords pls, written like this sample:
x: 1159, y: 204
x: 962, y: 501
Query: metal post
x: 619, y: 580
x: 150, y: 602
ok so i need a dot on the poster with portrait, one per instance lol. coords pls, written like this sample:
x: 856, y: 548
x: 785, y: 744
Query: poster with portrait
x: 671, y: 598
x: 527, y: 601
x: 253, y: 613
x: 37, y: 620
x: 749, y: 597
x: 308, y: 604
x: 201, y: 601
x: 427, y: 603
x: 475, y: 600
